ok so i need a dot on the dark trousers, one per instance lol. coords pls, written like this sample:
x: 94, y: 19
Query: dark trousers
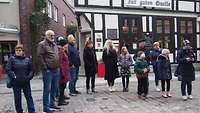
x: 189, y: 87
x: 62, y: 91
x: 163, y: 85
x: 125, y: 81
x: 88, y: 78
x: 156, y: 75
x: 111, y: 82
x: 18, y: 98
x: 143, y: 86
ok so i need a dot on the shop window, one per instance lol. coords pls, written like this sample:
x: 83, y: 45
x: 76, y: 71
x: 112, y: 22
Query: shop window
x: 112, y: 34
x: 134, y: 26
x: 166, y: 26
x: 182, y: 26
x: 189, y: 27
x: 159, y: 26
x: 125, y: 27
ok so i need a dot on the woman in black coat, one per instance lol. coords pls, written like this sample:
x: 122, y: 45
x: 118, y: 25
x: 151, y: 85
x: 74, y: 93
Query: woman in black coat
x: 185, y: 58
x: 110, y: 60
x: 164, y: 72
x: 90, y: 61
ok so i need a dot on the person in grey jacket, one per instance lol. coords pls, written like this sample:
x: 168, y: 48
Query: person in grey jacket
x: 49, y: 60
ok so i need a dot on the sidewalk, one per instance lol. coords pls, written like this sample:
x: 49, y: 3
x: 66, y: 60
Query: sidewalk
x: 117, y: 102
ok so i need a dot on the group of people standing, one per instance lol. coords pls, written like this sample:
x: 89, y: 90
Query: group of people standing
x: 60, y: 61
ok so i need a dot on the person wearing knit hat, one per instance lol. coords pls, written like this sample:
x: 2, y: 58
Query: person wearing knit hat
x: 185, y: 59
x: 164, y: 72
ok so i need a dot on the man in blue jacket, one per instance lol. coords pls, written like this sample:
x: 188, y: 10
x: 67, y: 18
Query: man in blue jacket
x: 75, y: 62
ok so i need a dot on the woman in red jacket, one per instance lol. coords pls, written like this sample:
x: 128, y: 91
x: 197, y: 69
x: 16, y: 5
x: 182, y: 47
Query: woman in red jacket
x: 64, y: 70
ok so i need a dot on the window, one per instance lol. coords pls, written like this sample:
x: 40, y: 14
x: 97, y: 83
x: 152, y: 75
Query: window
x: 159, y: 26
x: 182, y: 26
x: 167, y: 26
x: 49, y: 8
x: 55, y: 13
x: 64, y: 20
x: 190, y: 27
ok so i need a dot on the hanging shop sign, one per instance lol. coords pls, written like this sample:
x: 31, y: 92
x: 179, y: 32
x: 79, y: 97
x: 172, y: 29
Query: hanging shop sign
x: 161, y: 4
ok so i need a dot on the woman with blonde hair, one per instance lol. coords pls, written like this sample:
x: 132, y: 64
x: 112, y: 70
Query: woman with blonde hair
x: 110, y: 61
x: 125, y: 62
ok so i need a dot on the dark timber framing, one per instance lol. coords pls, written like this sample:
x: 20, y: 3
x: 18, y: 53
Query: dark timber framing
x: 175, y: 8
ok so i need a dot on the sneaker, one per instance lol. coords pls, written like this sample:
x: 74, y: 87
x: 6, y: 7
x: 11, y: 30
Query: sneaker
x: 190, y: 97
x: 158, y: 89
x: 184, y: 98
x: 88, y: 91
x: 113, y: 89
x: 164, y: 95
x: 110, y: 89
x: 72, y: 94
x: 169, y: 94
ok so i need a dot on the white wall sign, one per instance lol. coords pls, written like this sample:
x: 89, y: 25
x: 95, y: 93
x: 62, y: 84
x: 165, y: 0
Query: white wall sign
x: 162, y: 4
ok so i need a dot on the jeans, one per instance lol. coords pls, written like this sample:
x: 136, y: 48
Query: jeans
x: 74, y: 77
x: 88, y: 77
x: 18, y: 98
x: 50, y: 88
x: 156, y: 75
x: 163, y: 85
x: 143, y: 86
x: 125, y: 82
x: 189, y: 87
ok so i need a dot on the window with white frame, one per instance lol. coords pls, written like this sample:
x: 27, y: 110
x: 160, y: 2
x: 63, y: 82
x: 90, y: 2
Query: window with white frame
x: 64, y: 20
x: 49, y: 9
x: 55, y: 13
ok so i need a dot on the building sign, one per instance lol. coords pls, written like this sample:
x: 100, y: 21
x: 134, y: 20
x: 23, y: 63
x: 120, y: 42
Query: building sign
x: 4, y: 1
x: 161, y: 4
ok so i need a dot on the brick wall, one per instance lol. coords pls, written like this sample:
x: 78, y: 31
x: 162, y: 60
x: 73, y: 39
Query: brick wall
x: 58, y: 27
x: 25, y: 9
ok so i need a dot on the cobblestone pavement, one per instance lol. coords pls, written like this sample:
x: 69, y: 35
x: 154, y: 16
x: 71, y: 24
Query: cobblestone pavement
x: 116, y: 102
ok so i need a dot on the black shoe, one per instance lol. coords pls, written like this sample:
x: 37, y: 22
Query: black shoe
x: 124, y: 89
x: 93, y: 91
x: 66, y: 97
x: 77, y: 92
x: 63, y: 103
x: 49, y: 111
x: 127, y: 90
x: 55, y: 107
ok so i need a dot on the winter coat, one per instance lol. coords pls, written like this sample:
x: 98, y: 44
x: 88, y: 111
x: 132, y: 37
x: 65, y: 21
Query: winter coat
x: 125, y: 62
x: 139, y: 67
x: 73, y: 54
x: 110, y: 61
x: 154, y: 55
x: 48, y: 55
x: 19, y: 70
x: 90, y: 61
x: 164, y: 68
x: 64, y: 67
x: 186, y: 68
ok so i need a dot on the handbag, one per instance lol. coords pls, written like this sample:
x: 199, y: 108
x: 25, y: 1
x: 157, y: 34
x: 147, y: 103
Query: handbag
x: 9, y: 83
